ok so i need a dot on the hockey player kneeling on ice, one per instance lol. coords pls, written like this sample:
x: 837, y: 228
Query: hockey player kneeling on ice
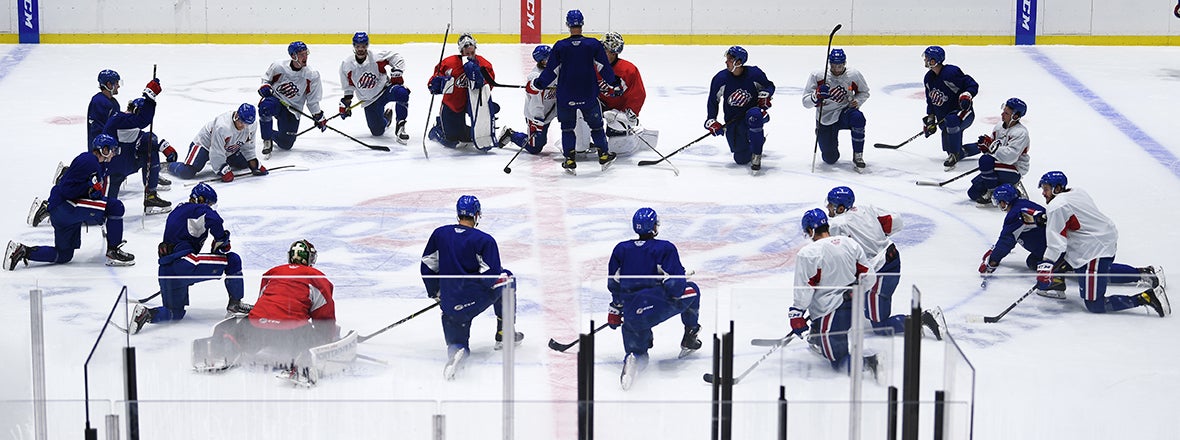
x: 828, y: 261
x: 182, y: 264
x: 949, y: 96
x: 463, y: 251
x: 287, y: 86
x: 78, y: 199
x: 363, y: 76
x: 1005, y: 153
x: 226, y: 143
x: 140, y: 150
x: 539, y: 109
x: 744, y: 94
x: 837, y: 102
x: 103, y: 104
x: 638, y: 303
x: 1087, y: 240
x: 466, y: 95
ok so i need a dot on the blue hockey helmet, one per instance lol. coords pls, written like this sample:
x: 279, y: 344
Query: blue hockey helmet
x: 935, y: 53
x: 837, y: 56
x: 302, y: 252
x: 296, y: 47
x: 104, y: 141
x: 466, y: 40
x: 246, y: 113
x: 813, y: 219
x: 613, y: 42
x: 135, y: 105
x: 1004, y: 193
x: 1019, y: 108
x: 645, y: 221
x: 467, y: 206
x: 574, y: 18
x: 841, y: 196
x: 541, y: 52
x: 1054, y: 179
x: 360, y: 38
x: 203, y: 193
x: 738, y: 53
x: 107, y: 76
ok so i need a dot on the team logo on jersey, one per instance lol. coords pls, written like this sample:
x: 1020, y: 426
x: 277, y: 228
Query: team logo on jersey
x: 936, y: 97
x: 838, y: 94
x: 231, y: 149
x: 739, y: 98
x: 288, y: 89
x: 367, y: 81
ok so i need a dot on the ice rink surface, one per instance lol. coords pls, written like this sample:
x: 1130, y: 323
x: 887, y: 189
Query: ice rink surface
x: 1048, y: 370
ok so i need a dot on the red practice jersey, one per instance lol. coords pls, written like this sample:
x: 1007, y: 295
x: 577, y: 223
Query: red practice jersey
x: 455, y: 92
x: 290, y: 295
x: 633, y: 92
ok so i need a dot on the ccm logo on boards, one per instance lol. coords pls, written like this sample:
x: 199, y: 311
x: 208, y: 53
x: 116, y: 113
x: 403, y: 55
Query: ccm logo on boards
x: 530, y: 13
x: 1026, y: 8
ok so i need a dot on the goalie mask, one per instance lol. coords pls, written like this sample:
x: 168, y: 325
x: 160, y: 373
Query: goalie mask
x: 302, y: 252
x: 613, y: 42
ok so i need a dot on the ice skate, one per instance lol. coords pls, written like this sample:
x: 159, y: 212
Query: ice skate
x: 505, y: 137
x: 15, y: 253
x: 140, y: 317
x: 456, y: 354
x: 400, y: 130
x: 606, y: 159
x: 1056, y: 289
x: 689, y: 342
x: 1148, y: 277
x: 163, y: 184
x: 153, y: 204
x: 756, y: 164
x: 500, y: 340
x: 932, y: 322
x: 633, y: 364
x: 570, y: 165
x: 951, y: 160
x: 116, y: 256
x: 872, y: 366
x: 1157, y: 300
x: 61, y: 171
x: 237, y: 307
x: 267, y: 146
x: 858, y: 161
x: 39, y: 212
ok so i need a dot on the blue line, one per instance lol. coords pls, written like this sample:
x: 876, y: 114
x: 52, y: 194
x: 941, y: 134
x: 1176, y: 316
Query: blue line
x: 1124, y: 124
x: 14, y: 58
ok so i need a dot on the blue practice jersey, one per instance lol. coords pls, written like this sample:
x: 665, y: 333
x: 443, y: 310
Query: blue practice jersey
x: 85, y: 173
x: 127, y: 128
x: 644, y: 257
x: 460, y: 250
x: 1024, y: 224
x: 737, y: 93
x: 189, y: 225
x: 101, y: 108
x: 943, y: 90
x: 578, y: 60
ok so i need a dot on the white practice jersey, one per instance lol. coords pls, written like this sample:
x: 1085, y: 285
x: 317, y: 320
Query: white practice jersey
x: 365, y: 81
x: 870, y: 227
x: 1010, y: 147
x: 222, y: 140
x: 539, y: 107
x: 1074, y: 225
x: 295, y: 87
x: 842, y: 90
x: 823, y: 270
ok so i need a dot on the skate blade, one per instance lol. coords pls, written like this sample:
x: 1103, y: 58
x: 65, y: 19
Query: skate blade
x: 33, y: 211
x: 117, y: 263
x: 154, y: 210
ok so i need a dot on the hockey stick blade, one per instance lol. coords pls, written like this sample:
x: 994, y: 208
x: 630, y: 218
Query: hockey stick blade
x: 767, y: 342
x: 143, y: 300
x: 926, y: 183
x: 247, y: 174
x: 709, y: 378
x: 557, y: 346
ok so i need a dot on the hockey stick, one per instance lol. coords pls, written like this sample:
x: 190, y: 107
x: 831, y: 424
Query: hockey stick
x: 314, y: 123
x: 402, y: 321
x: 997, y: 318
x: 894, y: 147
x: 778, y: 344
x: 507, y: 166
x: 644, y: 163
x: 645, y: 142
x: 337, y: 115
x: 147, y: 169
x: 820, y: 111
x: 553, y: 344
x: 426, y: 130
x: 487, y: 77
x: 247, y: 174
x: 943, y: 183
x: 144, y: 300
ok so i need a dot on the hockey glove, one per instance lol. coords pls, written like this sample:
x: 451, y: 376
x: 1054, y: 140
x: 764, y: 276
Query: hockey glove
x: 986, y: 267
x: 821, y: 93
x: 985, y: 144
x: 929, y: 125
x: 265, y: 91
x: 715, y: 127
x: 632, y: 119
x: 169, y: 152
x: 965, y: 101
x: 395, y: 78
x: 504, y: 279
x: 226, y: 173
x: 471, y: 69
x: 260, y: 171
x: 96, y: 191
x: 798, y: 322
x: 436, y: 85
x: 614, y: 317
x: 152, y: 89
x: 346, y: 107
x: 1044, y: 275
x: 222, y: 246
x: 320, y: 122
x: 764, y: 99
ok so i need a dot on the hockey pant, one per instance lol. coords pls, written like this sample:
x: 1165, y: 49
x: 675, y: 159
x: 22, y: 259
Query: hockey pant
x: 879, y: 301
x: 828, y: 135
x: 196, y: 159
x: 270, y: 110
x: 745, y: 135
x: 460, y: 306
x: 177, y: 274
x: 952, y: 133
x: 990, y: 176
x: 67, y: 220
x: 143, y: 156
x: 1093, y: 278
x: 450, y: 128
x: 830, y: 334
x: 567, y: 118
x: 649, y: 307
x: 399, y: 95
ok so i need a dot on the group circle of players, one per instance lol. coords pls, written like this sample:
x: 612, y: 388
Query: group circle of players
x: 596, y: 97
